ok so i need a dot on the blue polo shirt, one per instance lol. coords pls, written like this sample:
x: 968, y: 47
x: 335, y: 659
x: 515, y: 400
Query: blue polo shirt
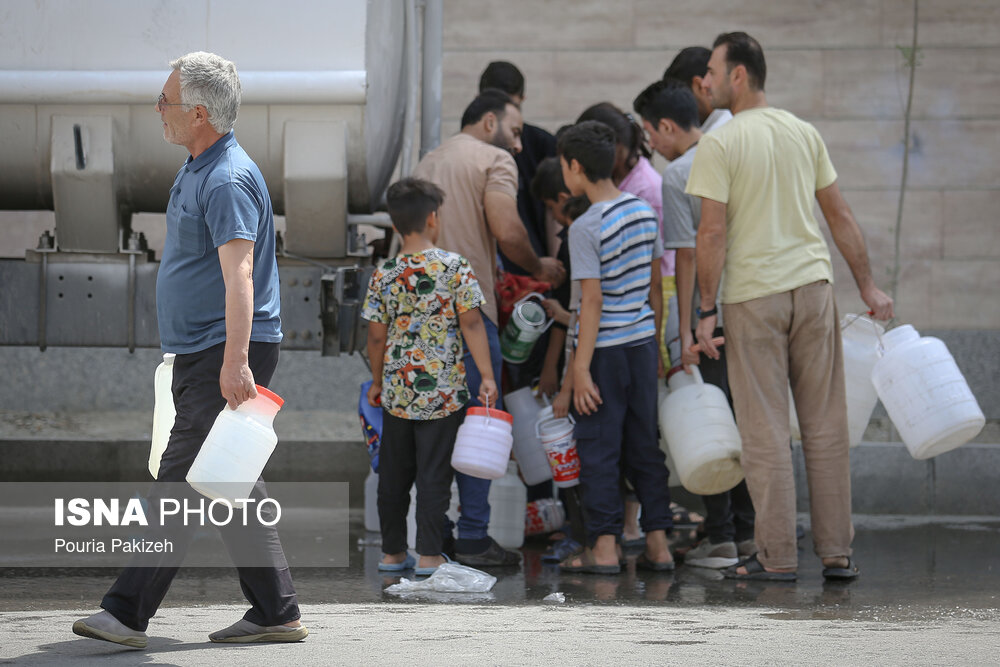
x: 217, y: 197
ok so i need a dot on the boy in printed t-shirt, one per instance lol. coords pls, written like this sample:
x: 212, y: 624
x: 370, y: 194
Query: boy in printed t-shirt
x: 615, y: 252
x: 420, y: 305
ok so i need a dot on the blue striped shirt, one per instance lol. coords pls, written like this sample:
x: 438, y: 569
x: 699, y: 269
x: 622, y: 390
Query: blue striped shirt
x: 616, y: 241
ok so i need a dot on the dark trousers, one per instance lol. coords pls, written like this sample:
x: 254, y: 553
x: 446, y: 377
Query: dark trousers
x: 415, y: 451
x: 622, y: 434
x: 138, y: 592
x: 729, y: 515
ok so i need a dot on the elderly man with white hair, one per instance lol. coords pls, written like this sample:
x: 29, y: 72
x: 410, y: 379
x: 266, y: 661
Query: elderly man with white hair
x: 217, y: 301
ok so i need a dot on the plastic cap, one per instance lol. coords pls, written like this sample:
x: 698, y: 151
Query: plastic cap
x: 674, y: 371
x: 493, y: 413
x: 267, y: 393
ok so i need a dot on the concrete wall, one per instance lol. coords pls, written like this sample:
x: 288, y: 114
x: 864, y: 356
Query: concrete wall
x: 836, y: 64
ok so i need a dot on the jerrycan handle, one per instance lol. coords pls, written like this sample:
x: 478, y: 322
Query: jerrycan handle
x: 544, y: 416
x: 538, y: 296
x: 878, y: 334
x: 527, y: 296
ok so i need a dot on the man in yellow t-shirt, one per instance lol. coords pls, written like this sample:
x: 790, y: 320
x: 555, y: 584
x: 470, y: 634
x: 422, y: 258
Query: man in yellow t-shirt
x: 757, y: 177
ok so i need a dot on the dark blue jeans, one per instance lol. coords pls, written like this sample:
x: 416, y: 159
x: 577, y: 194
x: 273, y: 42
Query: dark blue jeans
x: 473, y: 492
x: 621, y: 437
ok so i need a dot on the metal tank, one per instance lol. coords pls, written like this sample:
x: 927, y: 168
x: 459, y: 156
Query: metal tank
x: 327, y: 90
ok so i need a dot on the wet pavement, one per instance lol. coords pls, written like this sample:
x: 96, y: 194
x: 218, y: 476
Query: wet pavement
x: 929, y: 595
x: 913, y: 569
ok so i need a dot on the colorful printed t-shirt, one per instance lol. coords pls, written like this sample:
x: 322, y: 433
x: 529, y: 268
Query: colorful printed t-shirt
x: 419, y: 297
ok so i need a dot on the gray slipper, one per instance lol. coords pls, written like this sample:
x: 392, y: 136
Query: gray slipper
x: 245, y: 632
x: 842, y: 573
x: 106, y: 627
x: 755, y: 571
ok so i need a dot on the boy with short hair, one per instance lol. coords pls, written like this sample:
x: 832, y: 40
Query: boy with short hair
x: 615, y: 252
x: 669, y: 113
x: 420, y: 305
x: 548, y: 188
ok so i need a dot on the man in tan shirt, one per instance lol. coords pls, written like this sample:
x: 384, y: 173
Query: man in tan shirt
x: 476, y: 170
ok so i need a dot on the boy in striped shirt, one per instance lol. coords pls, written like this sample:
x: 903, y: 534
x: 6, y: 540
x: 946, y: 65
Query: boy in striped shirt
x: 615, y: 251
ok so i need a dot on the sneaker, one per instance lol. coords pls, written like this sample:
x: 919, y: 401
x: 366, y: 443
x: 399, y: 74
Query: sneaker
x: 746, y: 548
x: 715, y: 556
x: 493, y: 555
x: 106, y: 627
x: 245, y: 632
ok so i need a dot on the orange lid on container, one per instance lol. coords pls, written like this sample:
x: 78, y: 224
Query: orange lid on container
x: 267, y: 393
x: 493, y: 413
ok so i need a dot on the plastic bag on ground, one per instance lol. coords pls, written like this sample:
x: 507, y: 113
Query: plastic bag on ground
x: 448, y: 578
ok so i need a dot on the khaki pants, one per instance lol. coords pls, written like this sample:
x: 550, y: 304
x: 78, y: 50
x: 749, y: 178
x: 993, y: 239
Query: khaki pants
x: 792, y: 337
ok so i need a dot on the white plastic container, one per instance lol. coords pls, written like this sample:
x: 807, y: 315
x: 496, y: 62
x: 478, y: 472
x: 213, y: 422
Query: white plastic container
x: 372, y: 523
x: 483, y: 444
x: 508, y: 501
x: 556, y: 435
x: 163, y: 411
x: 411, y: 514
x: 701, y: 433
x: 543, y: 516
x: 237, y: 449
x: 528, y: 451
x: 860, y: 340
x: 925, y: 393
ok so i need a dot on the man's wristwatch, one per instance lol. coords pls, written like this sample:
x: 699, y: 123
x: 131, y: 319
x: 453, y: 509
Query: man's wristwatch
x: 702, y: 314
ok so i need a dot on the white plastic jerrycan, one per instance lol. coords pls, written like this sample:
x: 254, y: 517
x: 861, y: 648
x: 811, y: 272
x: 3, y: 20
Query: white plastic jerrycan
x: 483, y: 443
x: 528, y: 451
x: 860, y: 339
x: 508, y: 502
x: 372, y: 523
x: 163, y: 411
x: 236, y: 449
x: 925, y: 393
x: 701, y: 433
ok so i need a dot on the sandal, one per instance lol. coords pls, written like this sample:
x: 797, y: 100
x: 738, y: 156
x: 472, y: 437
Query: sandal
x: 842, y: 573
x: 643, y: 562
x: 408, y: 564
x: 755, y: 571
x: 428, y: 571
x: 587, y: 565
x: 562, y: 550
x: 637, y: 543
x: 684, y: 517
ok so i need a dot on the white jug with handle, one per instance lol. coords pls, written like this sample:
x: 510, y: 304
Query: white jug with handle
x: 483, y: 443
x: 701, y: 433
x: 925, y: 394
x: 237, y: 449
x: 164, y: 412
x: 528, y: 451
x: 860, y: 341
